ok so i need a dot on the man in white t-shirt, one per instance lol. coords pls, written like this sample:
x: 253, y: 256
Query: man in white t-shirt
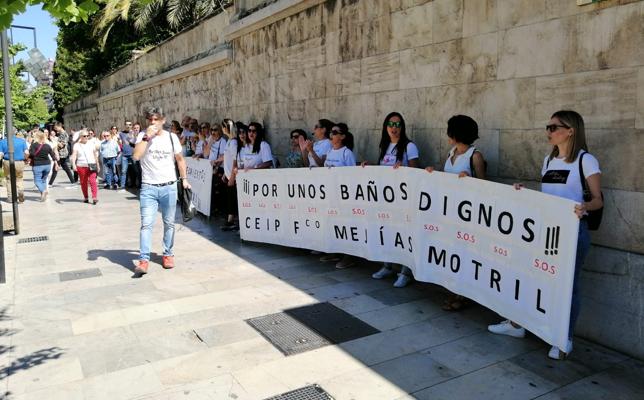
x: 157, y: 150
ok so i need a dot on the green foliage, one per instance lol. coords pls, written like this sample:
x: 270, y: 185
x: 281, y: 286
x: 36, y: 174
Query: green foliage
x: 29, y: 106
x: 64, y: 10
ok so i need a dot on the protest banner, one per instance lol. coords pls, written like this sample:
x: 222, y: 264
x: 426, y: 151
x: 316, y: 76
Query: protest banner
x: 510, y: 250
x: 199, y: 173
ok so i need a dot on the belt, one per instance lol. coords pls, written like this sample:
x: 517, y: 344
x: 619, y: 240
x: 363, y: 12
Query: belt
x: 160, y: 184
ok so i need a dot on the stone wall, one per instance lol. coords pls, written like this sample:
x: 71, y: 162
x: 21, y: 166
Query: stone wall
x: 509, y: 64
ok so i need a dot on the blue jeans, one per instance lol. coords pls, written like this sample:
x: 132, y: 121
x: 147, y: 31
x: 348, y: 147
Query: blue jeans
x: 109, y: 164
x: 125, y: 161
x: 583, y: 245
x: 41, y: 172
x: 152, y: 198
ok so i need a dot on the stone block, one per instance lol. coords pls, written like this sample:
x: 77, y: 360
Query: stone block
x: 521, y: 153
x: 437, y: 105
x: 466, y: 60
x: 366, y: 145
x: 639, y: 116
x: 332, y: 50
x: 604, y: 39
x: 447, y: 20
x: 533, y: 50
x: 429, y: 146
x: 356, y: 110
x: 309, y: 54
x: 344, y: 78
x: 622, y: 224
x: 407, y: 102
x: 615, y: 149
x: 520, y: 12
x: 606, y: 99
x: 412, y: 27
x: 376, y: 36
x: 380, y: 73
x: 300, y: 85
x: 479, y: 17
x: 397, y: 5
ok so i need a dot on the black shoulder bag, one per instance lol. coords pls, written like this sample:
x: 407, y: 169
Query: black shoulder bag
x: 594, y: 217
x: 188, y: 210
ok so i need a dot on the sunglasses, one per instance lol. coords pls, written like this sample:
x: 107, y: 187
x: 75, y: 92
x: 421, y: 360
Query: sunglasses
x: 252, y: 130
x: 295, y: 136
x: 552, y: 128
x: 336, y: 132
x: 394, y: 124
x: 84, y: 136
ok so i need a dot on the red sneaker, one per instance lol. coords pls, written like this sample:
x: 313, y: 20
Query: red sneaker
x: 141, y: 267
x: 168, y: 262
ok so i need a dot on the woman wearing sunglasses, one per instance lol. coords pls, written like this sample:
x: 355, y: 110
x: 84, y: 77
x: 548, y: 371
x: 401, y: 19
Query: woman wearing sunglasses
x: 202, y: 137
x: 295, y: 156
x: 396, y: 150
x: 256, y: 154
x: 314, y: 154
x: 214, y: 152
x: 84, y: 161
x: 341, y: 155
x: 561, y: 175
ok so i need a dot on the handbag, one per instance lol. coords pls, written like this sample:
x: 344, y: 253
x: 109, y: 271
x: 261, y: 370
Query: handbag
x: 594, y: 217
x: 31, y: 159
x: 188, y: 209
x: 92, y: 166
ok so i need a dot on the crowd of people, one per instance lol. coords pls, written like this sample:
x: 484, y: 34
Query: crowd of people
x: 133, y: 157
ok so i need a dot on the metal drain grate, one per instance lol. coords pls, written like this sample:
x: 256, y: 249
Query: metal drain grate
x: 333, y: 323
x: 312, y: 392
x: 33, y: 239
x: 287, y: 334
x: 79, y: 274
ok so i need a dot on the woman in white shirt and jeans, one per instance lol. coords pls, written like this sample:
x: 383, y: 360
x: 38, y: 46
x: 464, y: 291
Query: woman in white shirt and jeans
x: 84, y: 161
x: 396, y: 150
x: 561, y: 176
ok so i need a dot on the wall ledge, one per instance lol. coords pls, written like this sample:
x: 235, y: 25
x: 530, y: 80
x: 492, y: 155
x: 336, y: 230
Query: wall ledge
x: 267, y: 15
x: 215, y: 60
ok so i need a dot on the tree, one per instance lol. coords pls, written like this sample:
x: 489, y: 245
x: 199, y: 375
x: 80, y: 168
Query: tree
x: 29, y: 106
x: 64, y: 10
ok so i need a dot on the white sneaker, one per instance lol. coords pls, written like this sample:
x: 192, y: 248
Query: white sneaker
x: 556, y: 353
x: 346, y: 262
x: 506, y: 328
x: 402, y: 281
x: 383, y: 273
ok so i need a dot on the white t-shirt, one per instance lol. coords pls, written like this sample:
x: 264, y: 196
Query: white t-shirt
x: 342, y: 157
x: 187, y: 134
x: 199, y: 147
x: 217, y: 148
x: 390, y: 155
x: 251, y: 160
x: 230, y: 155
x: 157, y: 163
x: 561, y: 179
x: 461, y: 163
x: 321, y: 148
x: 84, y: 153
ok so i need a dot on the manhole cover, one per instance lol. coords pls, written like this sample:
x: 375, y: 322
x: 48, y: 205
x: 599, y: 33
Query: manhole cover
x: 333, y: 323
x: 312, y: 392
x: 79, y: 274
x: 33, y: 239
x: 287, y: 334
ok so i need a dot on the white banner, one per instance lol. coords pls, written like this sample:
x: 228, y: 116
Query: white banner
x: 199, y: 173
x: 512, y: 251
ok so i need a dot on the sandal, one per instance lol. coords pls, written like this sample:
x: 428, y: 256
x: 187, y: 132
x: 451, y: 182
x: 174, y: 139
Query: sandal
x: 455, y: 302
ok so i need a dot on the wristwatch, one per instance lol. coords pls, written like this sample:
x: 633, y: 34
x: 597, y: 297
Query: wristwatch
x: 145, y: 138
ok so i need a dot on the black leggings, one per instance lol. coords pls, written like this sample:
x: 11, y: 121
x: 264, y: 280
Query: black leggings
x: 65, y: 165
x: 231, y: 199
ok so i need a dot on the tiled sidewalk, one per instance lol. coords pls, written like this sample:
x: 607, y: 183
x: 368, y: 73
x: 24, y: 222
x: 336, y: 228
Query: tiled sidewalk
x: 181, y: 334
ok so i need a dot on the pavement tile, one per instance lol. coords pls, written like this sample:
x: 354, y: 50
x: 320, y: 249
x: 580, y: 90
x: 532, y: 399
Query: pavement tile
x: 500, y: 381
